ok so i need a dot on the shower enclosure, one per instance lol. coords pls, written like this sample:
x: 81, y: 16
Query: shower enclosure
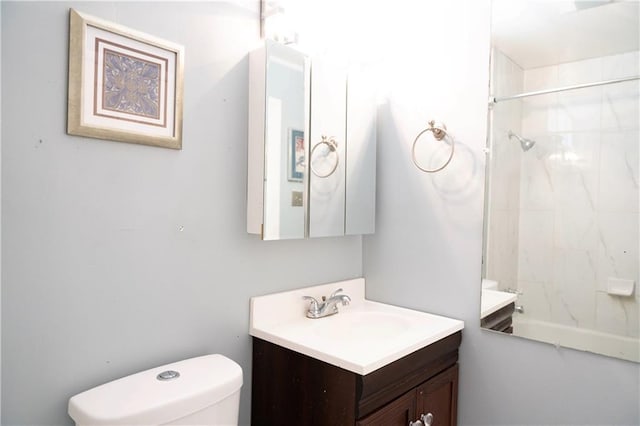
x: 562, y: 201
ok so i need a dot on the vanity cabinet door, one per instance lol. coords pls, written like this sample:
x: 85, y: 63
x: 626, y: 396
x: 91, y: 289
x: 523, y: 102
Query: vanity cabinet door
x: 439, y: 396
x: 397, y: 413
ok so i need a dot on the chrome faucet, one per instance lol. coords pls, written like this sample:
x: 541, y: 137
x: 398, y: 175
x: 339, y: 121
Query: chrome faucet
x: 327, y: 306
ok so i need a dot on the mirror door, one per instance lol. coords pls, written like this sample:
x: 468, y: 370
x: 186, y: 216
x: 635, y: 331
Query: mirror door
x: 284, y: 213
x: 327, y: 150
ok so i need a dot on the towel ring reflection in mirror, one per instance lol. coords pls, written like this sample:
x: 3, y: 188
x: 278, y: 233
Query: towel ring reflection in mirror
x: 439, y: 133
x: 332, y: 147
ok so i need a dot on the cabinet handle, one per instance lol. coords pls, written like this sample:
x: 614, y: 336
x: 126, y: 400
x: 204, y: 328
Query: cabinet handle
x: 425, y: 420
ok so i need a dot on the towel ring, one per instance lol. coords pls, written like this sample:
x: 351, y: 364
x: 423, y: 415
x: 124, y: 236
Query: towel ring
x: 333, y: 147
x: 439, y: 133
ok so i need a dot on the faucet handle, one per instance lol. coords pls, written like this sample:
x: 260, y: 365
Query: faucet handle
x: 335, y: 293
x: 313, y: 307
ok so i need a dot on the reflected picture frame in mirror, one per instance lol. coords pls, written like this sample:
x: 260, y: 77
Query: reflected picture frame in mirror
x: 297, y: 155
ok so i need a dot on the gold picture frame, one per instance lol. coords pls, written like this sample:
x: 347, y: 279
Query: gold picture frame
x: 124, y: 85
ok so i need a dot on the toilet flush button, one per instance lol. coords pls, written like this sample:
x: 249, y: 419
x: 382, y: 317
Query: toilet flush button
x: 168, y: 375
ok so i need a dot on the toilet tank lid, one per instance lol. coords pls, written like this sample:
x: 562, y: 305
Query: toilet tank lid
x: 143, y: 399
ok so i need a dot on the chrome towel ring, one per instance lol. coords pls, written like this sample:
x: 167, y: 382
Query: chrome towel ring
x: 333, y: 147
x: 439, y: 133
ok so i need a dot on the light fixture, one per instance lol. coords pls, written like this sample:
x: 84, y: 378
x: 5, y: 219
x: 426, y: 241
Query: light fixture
x: 275, y: 24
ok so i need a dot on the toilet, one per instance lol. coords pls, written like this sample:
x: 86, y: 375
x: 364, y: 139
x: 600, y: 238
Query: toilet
x: 197, y: 391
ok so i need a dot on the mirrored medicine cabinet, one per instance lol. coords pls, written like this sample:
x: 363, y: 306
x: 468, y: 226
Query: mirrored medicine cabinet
x: 311, y: 147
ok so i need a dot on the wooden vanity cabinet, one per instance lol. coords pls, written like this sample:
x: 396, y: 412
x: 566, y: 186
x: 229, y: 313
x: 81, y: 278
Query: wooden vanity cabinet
x: 289, y: 388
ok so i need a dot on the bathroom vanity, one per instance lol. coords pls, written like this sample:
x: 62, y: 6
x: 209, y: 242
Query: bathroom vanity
x: 292, y: 388
x: 496, y: 310
x: 370, y: 364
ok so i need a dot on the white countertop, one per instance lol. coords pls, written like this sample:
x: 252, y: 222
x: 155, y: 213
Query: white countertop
x: 361, y: 338
x: 493, y: 300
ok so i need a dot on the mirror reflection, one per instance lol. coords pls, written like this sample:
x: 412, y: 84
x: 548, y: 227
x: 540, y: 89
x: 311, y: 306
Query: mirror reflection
x: 311, y: 171
x: 328, y: 146
x: 285, y: 148
x: 561, y: 247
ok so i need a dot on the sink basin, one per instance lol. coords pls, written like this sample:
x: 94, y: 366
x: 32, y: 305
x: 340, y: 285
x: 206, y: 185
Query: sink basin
x: 362, y: 337
x: 360, y: 326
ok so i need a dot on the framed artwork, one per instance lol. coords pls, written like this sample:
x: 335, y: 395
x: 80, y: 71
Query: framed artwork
x: 296, y: 155
x: 123, y: 85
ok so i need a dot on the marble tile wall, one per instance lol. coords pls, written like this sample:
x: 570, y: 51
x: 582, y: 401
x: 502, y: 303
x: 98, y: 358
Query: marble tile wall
x: 504, y: 199
x: 578, y: 195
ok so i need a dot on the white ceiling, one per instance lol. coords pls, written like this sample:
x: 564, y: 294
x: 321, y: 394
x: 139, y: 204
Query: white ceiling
x: 536, y: 33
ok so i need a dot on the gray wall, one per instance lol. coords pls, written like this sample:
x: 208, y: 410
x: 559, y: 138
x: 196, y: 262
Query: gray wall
x: 0, y: 223
x: 99, y: 280
x: 426, y: 253
x: 119, y: 257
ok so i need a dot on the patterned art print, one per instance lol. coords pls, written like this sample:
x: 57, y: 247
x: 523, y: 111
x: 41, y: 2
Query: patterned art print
x: 130, y: 85
x: 124, y: 85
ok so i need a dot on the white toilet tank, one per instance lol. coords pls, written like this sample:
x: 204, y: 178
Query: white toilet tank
x: 197, y: 391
